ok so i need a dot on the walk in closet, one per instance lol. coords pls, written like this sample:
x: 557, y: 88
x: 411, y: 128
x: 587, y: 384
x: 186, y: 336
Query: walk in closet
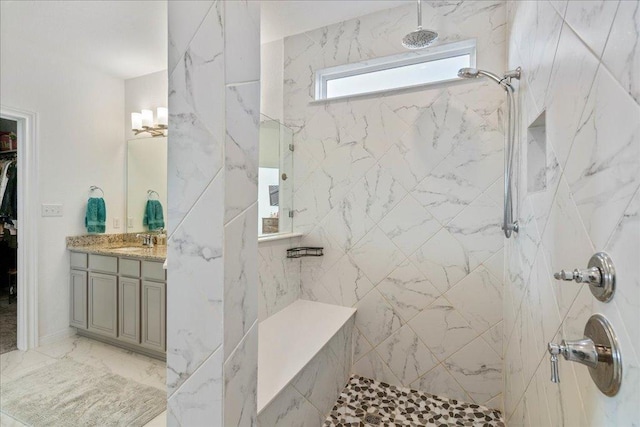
x: 8, y: 233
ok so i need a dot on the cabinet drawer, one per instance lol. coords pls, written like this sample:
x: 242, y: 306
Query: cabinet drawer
x: 153, y: 270
x: 107, y: 264
x: 78, y: 260
x: 129, y: 267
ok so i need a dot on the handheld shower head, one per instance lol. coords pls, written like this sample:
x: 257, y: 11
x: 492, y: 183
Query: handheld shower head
x: 471, y: 73
x: 468, y: 73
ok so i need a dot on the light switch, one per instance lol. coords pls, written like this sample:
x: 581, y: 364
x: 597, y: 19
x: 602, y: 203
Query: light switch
x: 116, y: 222
x: 51, y: 210
x: 129, y: 222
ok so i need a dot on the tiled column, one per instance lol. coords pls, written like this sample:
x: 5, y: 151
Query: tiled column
x: 214, y: 101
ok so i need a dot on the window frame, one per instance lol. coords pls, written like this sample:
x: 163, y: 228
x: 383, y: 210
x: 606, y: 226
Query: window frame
x: 435, y: 53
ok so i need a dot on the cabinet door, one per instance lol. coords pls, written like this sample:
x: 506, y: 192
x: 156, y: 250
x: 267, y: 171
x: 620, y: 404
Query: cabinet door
x: 129, y: 310
x: 103, y: 304
x: 78, y: 303
x: 153, y: 315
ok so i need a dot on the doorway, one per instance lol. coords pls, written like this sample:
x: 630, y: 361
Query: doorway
x: 19, y: 230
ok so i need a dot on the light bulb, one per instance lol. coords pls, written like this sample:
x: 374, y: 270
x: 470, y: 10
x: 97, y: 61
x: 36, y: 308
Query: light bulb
x: 136, y: 121
x: 163, y: 116
x: 147, y: 118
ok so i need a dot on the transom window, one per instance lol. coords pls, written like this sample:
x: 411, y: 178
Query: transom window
x: 432, y: 65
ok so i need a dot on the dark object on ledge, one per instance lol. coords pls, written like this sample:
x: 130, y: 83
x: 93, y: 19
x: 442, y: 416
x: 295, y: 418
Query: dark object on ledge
x: 304, y: 251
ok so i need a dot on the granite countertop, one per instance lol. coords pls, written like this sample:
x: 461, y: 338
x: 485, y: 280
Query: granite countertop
x: 121, y: 245
x: 157, y: 253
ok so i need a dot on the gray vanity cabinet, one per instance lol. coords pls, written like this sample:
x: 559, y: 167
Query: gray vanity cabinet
x: 153, y: 315
x: 103, y: 304
x: 78, y: 291
x: 129, y: 310
x: 78, y: 306
x: 119, y: 300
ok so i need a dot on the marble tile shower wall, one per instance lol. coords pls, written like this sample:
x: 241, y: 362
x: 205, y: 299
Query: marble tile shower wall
x: 279, y: 276
x: 404, y: 193
x: 581, y: 63
x: 212, y: 296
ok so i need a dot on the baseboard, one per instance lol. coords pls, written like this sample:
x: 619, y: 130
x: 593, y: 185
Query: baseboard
x: 56, y: 336
x: 117, y: 343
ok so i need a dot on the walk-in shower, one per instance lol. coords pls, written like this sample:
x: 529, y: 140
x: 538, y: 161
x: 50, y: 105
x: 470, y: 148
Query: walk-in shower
x: 508, y: 223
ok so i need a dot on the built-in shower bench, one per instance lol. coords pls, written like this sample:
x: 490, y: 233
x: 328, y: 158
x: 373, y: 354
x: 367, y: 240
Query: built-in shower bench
x: 304, y: 360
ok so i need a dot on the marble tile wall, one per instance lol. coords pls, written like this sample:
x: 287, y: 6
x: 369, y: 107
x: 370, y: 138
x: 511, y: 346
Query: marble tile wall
x: 279, y: 277
x: 581, y: 67
x: 403, y: 190
x: 212, y: 286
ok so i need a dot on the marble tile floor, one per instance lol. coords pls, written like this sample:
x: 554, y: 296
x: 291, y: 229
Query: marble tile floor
x: 137, y: 367
x: 367, y: 403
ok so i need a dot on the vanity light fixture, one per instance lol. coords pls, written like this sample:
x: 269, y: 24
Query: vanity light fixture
x: 143, y: 122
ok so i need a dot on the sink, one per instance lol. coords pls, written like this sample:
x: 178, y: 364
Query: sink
x: 129, y: 249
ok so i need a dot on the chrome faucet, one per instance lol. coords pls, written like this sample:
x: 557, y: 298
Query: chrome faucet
x: 598, y: 350
x: 147, y: 240
x: 583, y: 351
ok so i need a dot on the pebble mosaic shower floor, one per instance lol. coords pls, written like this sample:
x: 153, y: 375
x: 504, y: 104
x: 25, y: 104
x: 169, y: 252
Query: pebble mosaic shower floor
x: 369, y: 403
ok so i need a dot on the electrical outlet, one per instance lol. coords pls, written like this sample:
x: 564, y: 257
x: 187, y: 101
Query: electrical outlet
x: 116, y: 223
x: 129, y: 222
x: 51, y: 210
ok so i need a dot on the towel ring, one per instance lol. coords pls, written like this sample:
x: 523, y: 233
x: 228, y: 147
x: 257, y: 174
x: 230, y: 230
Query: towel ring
x: 151, y: 193
x: 94, y: 188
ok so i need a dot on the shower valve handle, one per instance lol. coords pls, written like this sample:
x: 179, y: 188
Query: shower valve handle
x: 600, y: 275
x: 592, y: 276
x: 554, y: 350
x: 583, y: 351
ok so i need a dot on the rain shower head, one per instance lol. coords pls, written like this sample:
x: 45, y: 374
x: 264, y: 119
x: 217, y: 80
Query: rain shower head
x: 420, y: 38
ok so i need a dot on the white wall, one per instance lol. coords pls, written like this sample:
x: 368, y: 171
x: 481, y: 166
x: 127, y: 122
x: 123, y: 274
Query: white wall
x: 580, y: 67
x: 271, y: 60
x: 145, y: 92
x: 81, y: 143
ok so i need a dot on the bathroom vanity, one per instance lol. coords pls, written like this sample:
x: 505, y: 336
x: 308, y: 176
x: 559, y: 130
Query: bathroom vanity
x: 118, y: 295
x: 118, y: 286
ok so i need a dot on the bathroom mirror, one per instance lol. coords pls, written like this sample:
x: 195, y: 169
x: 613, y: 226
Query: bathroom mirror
x: 146, y: 180
x: 275, y: 178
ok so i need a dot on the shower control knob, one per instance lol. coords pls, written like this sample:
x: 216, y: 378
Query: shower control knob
x: 600, y: 276
x: 598, y: 350
x: 591, y: 276
x: 554, y: 351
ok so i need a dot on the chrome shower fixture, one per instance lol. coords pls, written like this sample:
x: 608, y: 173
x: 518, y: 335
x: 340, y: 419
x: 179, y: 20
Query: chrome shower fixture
x: 471, y: 73
x: 508, y: 224
x: 420, y: 38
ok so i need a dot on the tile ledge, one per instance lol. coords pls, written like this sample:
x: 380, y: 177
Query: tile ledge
x: 281, y: 236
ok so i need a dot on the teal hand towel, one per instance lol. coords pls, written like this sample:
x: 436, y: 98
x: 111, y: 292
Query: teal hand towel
x: 153, y: 217
x: 96, y: 216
